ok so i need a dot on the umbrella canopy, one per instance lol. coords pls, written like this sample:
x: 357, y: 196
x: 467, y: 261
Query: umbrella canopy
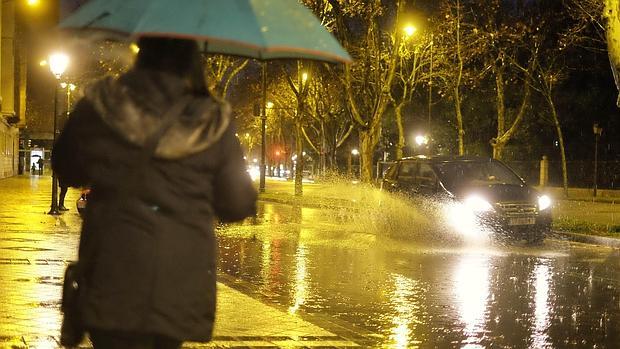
x: 262, y: 29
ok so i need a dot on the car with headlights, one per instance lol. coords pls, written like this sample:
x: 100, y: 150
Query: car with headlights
x: 480, y: 193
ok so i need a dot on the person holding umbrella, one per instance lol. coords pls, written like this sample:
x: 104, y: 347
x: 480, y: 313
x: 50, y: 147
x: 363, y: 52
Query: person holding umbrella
x: 163, y: 163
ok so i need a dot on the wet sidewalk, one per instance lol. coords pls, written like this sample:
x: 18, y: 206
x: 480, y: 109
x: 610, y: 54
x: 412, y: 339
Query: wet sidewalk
x: 36, y: 247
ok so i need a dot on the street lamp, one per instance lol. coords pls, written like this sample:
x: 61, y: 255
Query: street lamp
x: 58, y: 63
x: 70, y: 88
x: 135, y: 49
x: 421, y: 140
x: 598, y: 131
x: 409, y: 30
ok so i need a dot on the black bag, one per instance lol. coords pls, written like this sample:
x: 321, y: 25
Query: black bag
x: 71, y: 332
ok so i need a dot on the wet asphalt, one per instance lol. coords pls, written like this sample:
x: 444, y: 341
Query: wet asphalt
x: 403, y: 291
x: 392, y: 285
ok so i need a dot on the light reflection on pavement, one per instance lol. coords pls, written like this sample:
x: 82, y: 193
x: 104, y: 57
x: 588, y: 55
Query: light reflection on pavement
x: 34, y: 250
x: 405, y: 293
x: 329, y: 269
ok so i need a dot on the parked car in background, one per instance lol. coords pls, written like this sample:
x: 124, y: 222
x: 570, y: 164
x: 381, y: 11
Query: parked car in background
x: 479, y: 193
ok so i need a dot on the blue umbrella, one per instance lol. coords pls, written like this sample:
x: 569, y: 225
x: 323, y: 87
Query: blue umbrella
x: 262, y: 29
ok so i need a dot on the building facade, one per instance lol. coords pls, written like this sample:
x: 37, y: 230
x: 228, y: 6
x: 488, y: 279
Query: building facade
x: 9, y: 149
x: 12, y: 88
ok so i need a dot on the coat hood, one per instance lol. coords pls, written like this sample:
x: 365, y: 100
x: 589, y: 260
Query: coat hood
x: 134, y: 105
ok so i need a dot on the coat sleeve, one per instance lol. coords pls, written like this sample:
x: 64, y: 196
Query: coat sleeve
x: 67, y: 154
x: 235, y: 196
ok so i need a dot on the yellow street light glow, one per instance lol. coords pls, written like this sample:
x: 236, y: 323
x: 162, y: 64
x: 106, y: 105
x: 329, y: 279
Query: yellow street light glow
x: 33, y: 3
x: 134, y: 48
x: 71, y: 87
x: 58, y: 63
x: 355, y: 152
x: 269, y: 105
x: 43, y: 63
x: 410, y: 30
x: 421, y: 140
x: 304, y: 77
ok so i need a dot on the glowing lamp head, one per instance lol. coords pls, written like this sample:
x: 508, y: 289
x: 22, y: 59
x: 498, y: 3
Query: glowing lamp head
x: 135, y: 49
x: 58, y: 63
x: 355, y: 152
x: 410, y: 30
x: 421, y: 140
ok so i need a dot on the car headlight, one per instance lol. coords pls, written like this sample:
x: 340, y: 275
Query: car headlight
x: 544, y: 202
x: 478, y: 204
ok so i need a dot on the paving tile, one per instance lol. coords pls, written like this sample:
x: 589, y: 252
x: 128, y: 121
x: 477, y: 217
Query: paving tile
x: 36, y: 247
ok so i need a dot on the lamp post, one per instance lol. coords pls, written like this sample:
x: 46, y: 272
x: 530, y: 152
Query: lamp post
x: 58, y: 63
x: 70, y: 88
x: 598, y: 131
x: 263, y: 129
x: 356, y: 153
x: 430, y: 87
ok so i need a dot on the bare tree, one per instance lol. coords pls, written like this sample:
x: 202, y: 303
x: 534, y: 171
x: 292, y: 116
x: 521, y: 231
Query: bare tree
x: 414, y: 58
x: 327, y: 127
x: 546, y: 78
x: 299, y: 85
x: 458, y: 49
x: 220, y: 71
x: 368, y: 81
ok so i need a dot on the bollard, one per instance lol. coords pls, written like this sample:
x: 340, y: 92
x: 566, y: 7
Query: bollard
x: 544, y: 171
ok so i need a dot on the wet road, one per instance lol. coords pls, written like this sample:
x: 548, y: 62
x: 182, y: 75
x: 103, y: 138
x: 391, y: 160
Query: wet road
x: 403, y: 293
x: 364, y: 275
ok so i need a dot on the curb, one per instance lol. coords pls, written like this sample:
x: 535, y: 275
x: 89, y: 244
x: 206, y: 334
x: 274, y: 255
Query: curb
x: 587, y: 239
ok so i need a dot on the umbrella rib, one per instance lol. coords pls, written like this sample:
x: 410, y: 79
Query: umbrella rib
x: 100, y: 17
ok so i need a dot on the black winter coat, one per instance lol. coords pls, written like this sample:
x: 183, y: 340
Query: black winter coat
x: 148, y: 246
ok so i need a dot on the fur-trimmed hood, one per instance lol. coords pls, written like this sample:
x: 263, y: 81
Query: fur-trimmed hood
x: 134, y: 105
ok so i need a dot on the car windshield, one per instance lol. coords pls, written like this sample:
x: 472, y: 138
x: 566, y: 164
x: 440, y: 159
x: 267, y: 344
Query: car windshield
x: 475, y: 173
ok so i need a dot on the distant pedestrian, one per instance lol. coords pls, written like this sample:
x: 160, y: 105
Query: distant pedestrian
x: 163, y: 163
x: 40, y: 164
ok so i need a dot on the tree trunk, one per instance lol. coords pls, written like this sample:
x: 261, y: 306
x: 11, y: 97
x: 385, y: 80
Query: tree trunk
x: 368, y: 143
x: 401, y: 132
x: 323, y: 149
x: 503, y: 136
x: 459, y: 120
x: 558, y: 128
x: 299, y: 152
x: 498, y: 147
x: 612, y: 12
x: 459, y: 78
x: 498, y: 150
